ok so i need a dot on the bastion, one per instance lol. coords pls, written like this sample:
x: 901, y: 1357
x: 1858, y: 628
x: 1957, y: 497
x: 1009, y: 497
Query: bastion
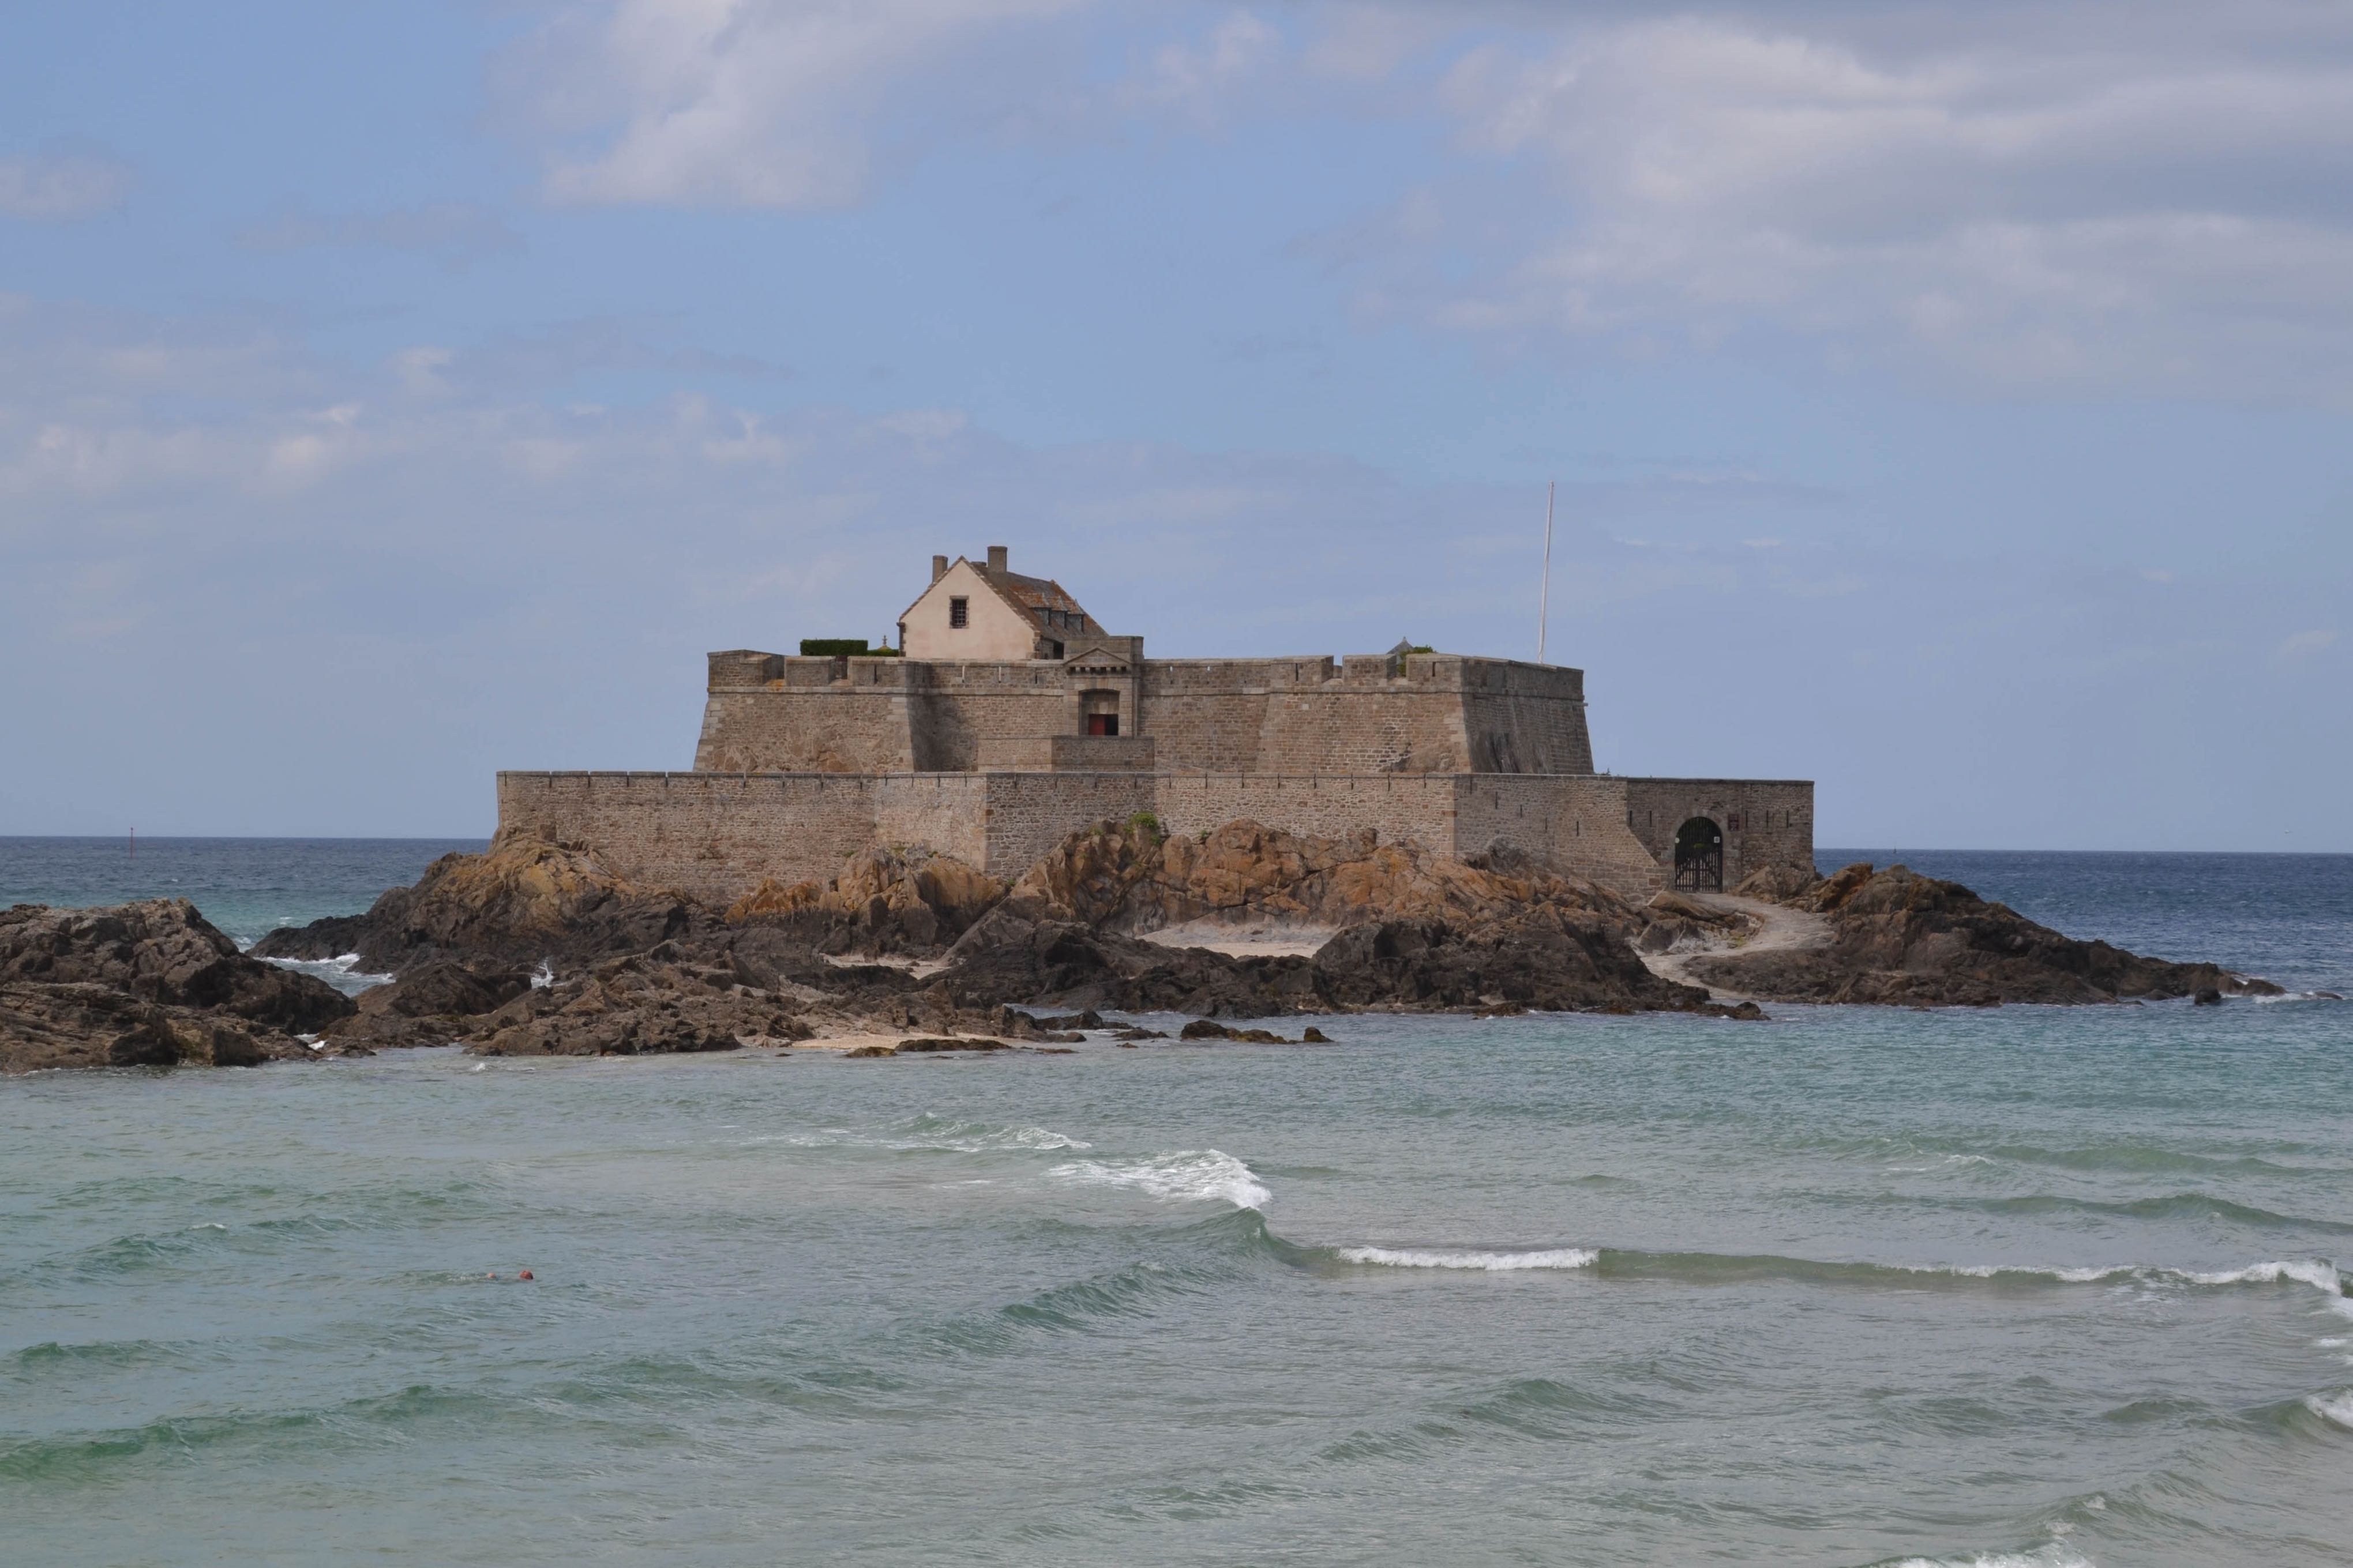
x: 1007, y: 716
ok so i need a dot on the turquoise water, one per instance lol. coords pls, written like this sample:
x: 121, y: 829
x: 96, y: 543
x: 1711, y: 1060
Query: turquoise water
x: 2029, y: 1286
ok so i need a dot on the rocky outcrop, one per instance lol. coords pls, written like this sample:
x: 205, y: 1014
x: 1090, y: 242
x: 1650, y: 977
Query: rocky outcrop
x: 1898, y: 938
x: 432, y: 1005
x: 1011, y: 956
x: 78, y: 1025
x: 1413, y: 929
x: 1130, y: 877
x: 522, y: 901
x: 1542, y: 957
x: 162, y: 951
x: 884, y: 901
x: 655, y: 1002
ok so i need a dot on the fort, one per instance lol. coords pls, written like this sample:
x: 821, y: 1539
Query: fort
x: 1007, y: 716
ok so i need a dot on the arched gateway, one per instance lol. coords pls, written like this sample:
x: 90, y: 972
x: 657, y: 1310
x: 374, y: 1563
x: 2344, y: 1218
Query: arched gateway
x: 1699, y: 855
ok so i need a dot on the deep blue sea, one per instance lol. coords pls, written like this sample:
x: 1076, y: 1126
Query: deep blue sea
x: 2026, y: 1285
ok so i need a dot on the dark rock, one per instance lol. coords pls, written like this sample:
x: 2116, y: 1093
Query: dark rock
x: 2207, y: 997
x: 162, y: 951
x: 919, y: 1047
x: 637, y: 1005
x: 1902, y: 939
x: 1543, y: 957
x: 48, y: 1025
x: 432, y: 1005
x: 1209, y: 1029
x: 1008, y: 956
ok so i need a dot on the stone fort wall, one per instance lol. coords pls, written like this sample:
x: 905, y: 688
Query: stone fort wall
x: 717, y: 835
x: 1424, y: 713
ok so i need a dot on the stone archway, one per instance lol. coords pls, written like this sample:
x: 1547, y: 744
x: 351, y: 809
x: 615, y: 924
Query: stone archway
x: 1699, y: 855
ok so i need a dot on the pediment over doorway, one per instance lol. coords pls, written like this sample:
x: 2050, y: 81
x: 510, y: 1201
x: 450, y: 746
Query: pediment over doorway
x: 1097, y: 660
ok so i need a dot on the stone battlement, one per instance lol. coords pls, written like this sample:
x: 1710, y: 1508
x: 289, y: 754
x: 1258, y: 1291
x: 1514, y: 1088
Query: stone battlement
x: 1020, y: 720
x: 1417, y: 713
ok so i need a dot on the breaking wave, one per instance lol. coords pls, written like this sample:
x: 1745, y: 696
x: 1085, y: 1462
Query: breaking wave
x: 934, y: 1134
x: 1727, y: 1269
x: 344, y: 973
x: 2336, y: 1408
x: 2055, y: 1556
x: 1209, y: 1176
x: 1495, y: 1262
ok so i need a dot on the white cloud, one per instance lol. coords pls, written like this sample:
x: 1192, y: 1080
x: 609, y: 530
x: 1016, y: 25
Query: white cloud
x: 2026, y: 208
x: 58, y: 187
x: 2095, y: 195
x: 741, y: 103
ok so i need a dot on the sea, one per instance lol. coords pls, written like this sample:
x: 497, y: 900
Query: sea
x: 2015, y: 1288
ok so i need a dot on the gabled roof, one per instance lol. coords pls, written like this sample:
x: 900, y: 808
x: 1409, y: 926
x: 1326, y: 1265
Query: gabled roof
x: 1027, y: 595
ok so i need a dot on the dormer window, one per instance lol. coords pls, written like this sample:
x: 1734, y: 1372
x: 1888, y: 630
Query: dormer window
x: 959, y: 612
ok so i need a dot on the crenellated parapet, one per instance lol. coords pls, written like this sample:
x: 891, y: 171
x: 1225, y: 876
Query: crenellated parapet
x: 1018, y: 718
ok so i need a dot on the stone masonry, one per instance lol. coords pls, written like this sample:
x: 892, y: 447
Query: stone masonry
x: 804, y: 761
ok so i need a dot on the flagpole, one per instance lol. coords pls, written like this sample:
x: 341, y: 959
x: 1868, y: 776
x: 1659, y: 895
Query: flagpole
x: 1543, y: 593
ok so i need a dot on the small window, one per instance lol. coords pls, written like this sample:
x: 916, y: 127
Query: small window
x: 959, y: 612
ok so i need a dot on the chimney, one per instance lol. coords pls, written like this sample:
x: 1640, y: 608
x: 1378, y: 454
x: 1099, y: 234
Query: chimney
x: 996, y: 558
x: 939, y: 567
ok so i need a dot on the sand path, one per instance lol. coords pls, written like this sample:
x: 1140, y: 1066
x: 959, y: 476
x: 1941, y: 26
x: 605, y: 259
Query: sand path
x: 1777, y: 929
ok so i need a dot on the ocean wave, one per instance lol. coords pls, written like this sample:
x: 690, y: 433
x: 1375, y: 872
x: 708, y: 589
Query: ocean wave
x: 2172, y: 1206
x: 934, y: 1135
x: 99, y: 1456
x: 1204, y: 1175
x: 2057, y: 1555
x: 1729, y: 1268
x: 344, y: 973
x: 2336, y: 1408
x: 2116, y: 1155
x: 1495, y: 1262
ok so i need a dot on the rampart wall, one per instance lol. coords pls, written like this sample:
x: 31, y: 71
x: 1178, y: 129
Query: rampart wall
x: 717, y: 836
x: 1766, y: 822
x: 1425, y: 713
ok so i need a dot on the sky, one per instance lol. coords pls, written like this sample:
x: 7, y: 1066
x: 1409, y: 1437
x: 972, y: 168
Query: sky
x: 1951, y: 403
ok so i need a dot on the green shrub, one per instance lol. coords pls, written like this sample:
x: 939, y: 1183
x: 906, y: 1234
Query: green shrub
x: 1144, y: 825
x: 844, y: 647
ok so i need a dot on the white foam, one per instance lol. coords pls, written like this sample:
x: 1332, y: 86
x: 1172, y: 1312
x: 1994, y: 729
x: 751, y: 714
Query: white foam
x: 960, y: 1139
x: 2057, y: 1555
x: 1197, y: 1175
x: 344, y: 972
x: 2321, y: 1276
x: 2337, y: 1409
x: 1497, y: 1262
x: 2309, y: 1271
x: 544, y: 977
